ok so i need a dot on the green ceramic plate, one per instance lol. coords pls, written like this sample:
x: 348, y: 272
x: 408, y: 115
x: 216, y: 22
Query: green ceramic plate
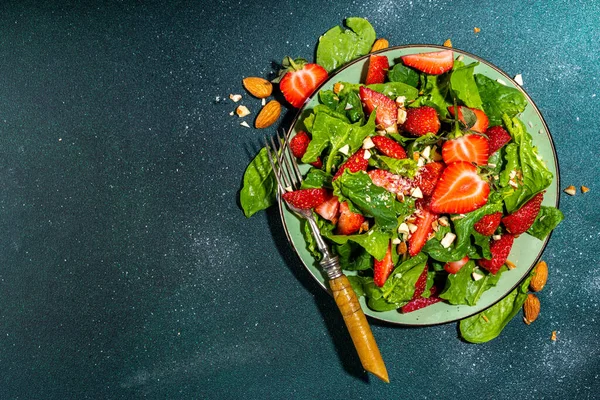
x: 525, y: 252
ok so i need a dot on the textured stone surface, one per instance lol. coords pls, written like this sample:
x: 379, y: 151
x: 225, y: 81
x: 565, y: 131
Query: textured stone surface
x: 127, y: 269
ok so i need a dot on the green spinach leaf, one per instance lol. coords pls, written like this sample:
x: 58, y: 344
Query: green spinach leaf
x: 498, y: 99
x: 547, y: 219
x: 259, y: 189
x: 463, y: 84
x: 401, y: 73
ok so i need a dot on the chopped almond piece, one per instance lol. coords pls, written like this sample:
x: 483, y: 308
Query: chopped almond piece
x: 485, y: 318
x: 476, y: 30
x: 242, y: 111
x: 510, y: 265
x: 448, y: 43
x: 553, y: 337
x: 571, y: 190
x: 584, y: 189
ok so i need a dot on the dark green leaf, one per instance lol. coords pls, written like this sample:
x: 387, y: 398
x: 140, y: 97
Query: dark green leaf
x: 463, y: 85
x: 498, y: 99
x: 401, y: 73
x: 259, y: 189
x: 547, y: 219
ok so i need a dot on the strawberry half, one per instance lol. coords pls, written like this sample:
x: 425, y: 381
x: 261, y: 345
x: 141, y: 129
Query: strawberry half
x: 428, y: 176
x: 460, y: 190
x: 500, y: 250
x: 421, y: 120
x: 355, y: 163
x: 349, y: 222
x: 488, y: 224
x: 519, y: 221
x: 421, y: 302
x: 434, y: 63
x: 497, y: 138
x: 482, y: 122
x: 298, y: 146
x: 378, y: 68
x: 471, y: 148
x: 389, y: 147
x: 453, y: 267
x: 424, y: 228
x: 306, y: 198
x: 382, y: 269
x: 300, y: 80
x: 387, y: 110
x: 390, y: 182
x: 421, y: 283
x: 329, y: 209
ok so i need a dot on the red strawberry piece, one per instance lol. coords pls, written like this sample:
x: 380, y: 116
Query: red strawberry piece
x: 301, y: 80
x: 329, y: 209
x: 419, y: 303
x: 298, y: 146
x: 488, y: 224
x: 306, y: 198
x: 497, y: 138
x: 349, y: 222
x: 382, y: 269
x: 389, y: 147
x: 459, y: 190
x: 355, y: 163
x: 428, y: 176
x: 387, y: 110
x: 424, y: 228
x: 500, y: 249
x: 453, y: 267
x: 472, y: 148
x: 390, y: 182
x: 378, y: 68
x: 519, y: 221
x: 434, y: 63
x: 482, y: 122
x: 421, y: 120
x: 421, y: 283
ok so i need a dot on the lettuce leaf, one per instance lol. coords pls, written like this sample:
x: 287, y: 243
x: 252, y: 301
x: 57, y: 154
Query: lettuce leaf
x: 498, y: 99
x: 547, y: 219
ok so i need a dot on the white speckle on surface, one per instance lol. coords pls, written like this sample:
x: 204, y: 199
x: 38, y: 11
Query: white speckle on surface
x: 519, y: 79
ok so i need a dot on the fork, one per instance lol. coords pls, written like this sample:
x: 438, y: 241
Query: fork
x: 289, y: 178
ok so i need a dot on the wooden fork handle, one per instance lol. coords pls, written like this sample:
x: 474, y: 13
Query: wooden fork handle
x: 359, y: 328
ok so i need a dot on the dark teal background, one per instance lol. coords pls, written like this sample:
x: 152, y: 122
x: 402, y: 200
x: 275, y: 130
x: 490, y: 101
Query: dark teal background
x: 127, y: 269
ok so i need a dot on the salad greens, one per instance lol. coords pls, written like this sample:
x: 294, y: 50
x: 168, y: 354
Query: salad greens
x: 260, y: 188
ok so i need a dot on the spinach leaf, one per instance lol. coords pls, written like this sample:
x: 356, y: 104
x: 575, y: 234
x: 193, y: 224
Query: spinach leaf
x: 498, y: 99
x: 316, y: 178
x: 463, y: 84
x: 375, y: 242
x: 351, y: 105
x: 259, y: 189
x: 420, y: 143
x: 328, y: 98
x: 435, y: 90
x: 461, y: 288
x: 535, y: 176
x: 405, y: 167
x: 338, y: 46
x: 401, y: 73
x: 390, y: 89
x: 356, y: 283
x: 547, y: 219
x: 352, y: 256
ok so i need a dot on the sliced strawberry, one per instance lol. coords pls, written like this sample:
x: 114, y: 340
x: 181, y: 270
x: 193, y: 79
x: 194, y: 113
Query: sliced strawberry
x: 329, y: 209
x: 387, y: 110
x: 500, y: 250
x: 471, y: 148
x: 421, y: 120
x: 382, y: 269
x: 482, y: 122
x: 421, y: 283
x: 300, y: 80
x: 378, y: 68
x: 389, y: 147
x: 497, y: 138
x: 434, y: 63
x: 355, y: 163
x: 306, y: 198
x: 424, y: 228
x: 488, y: 224
x: 428, y: 176
x: 419, y: 303
x: 453, y: 267
x: 349, y: 222
x: 519, y: 221
x: 459, y: 190
x: 390, y: 182
x: 298, y: 146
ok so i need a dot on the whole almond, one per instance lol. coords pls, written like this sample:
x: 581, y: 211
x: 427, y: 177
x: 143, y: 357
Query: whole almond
x: 258, y: 87
x: 540, y: 276
x: 268, y: 115
x: 531, y: 308
x: 380, y: 44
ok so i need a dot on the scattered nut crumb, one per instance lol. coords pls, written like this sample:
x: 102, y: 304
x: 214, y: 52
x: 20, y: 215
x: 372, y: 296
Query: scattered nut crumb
x: 242, y: 111
x: 501, y: 81
x: 337, y: 87
x: 485, y: 318
x: 571, y: 190
x: 584, y: 189
x: 476, y: 30
x: 232, y: 113
x: 244, y: 123
x: 263, y: 101
x: 519, y: 79
x: 402, y: 248
x: 553, y: 337
x: 448, y: 43
x: 235, y: 97
x: 510, y: 264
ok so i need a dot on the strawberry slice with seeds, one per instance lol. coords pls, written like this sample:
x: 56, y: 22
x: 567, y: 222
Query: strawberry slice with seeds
x: 453, y: 267
x: 500, y: 249
x: 497, y: 138
x: 434, y: 63
x: 421, y: 283
x: 306, y: 198
x: 421, y: 120
x: 460, y: 190
x: 300, y: 80
x: 349, y: 222
x: 329, y: 209
x: 387, y: 109
x: 298, y: 146
x: 383, y: 268
x: 389, y: 147
x: 421, y: 302
x: 390, y: 182
x: 428, y: 176
x: 378, y: 68
x: 480, y: 125
x: 424, y: 228
x: 472, y: 148
x: 488, y: 224
x: 519, y: 221
x: 355, y: 163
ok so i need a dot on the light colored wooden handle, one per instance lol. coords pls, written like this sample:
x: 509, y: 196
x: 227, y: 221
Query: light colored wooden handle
x: 359, y: 328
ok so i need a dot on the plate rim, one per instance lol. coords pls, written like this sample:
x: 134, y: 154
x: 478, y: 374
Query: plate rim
x: 546, y: 131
